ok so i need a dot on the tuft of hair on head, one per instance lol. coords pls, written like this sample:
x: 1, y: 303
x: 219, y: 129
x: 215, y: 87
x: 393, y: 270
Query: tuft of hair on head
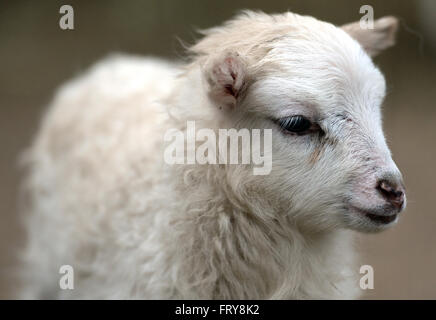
x: 376, y: 39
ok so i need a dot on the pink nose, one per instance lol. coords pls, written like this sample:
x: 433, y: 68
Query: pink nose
x: 392, y: 192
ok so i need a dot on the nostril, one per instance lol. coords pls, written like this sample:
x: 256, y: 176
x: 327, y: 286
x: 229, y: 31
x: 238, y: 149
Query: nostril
x: 391, y: 192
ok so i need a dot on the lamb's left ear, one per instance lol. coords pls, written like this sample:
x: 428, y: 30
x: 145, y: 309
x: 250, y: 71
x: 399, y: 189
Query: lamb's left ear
x: 375, y: 40
x: 226, y: 75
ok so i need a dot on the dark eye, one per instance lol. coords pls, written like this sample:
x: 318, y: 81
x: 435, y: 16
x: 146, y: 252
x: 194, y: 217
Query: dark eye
x: 296, y: 124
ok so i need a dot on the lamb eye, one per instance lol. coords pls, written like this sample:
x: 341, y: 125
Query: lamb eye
x: 296, y: 124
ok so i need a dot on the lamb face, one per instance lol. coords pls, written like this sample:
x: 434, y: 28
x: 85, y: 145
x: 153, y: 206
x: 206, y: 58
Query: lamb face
x: 320, y: 93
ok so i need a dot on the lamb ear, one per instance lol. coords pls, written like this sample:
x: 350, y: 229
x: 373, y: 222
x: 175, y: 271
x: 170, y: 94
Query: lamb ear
x: 375, y: 40
x: 226, y: 75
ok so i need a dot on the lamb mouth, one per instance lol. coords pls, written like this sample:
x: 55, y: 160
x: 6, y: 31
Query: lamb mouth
x: 381, y: 219
x: 377, y: 218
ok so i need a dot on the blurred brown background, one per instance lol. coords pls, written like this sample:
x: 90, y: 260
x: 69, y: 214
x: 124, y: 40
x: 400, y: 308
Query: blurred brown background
x: 36, y: 56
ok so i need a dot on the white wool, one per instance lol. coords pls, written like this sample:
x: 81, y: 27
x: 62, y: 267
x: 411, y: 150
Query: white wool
x: 103, y: 200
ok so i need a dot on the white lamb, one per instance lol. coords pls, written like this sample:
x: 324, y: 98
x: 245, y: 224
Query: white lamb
x: 104, y: 201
